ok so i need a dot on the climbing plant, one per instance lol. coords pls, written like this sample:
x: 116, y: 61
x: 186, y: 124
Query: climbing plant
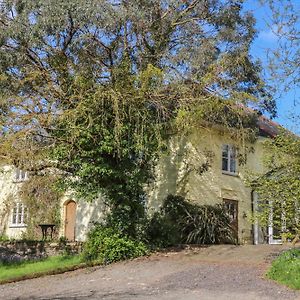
x: 278, y: 188
x: 5, y: 213
x: 42, y: 200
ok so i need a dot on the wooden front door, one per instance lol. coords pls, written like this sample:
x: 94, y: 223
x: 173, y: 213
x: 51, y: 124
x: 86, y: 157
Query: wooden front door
x: 70, y: 221
x: 233, y: 212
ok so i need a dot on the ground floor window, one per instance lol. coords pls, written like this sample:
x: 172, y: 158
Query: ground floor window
x: 19, y: 215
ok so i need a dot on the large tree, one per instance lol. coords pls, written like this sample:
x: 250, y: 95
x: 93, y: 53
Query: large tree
x: 92, y: 88
x: 283, y: 58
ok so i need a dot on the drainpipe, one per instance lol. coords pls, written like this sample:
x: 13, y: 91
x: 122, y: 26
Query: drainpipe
x: 255, y: 228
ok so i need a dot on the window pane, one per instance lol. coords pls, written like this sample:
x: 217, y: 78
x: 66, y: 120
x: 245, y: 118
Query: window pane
x: 232, y: 152
x: 17, y: 174
x: 14, y: 215
x: 19, y: 217
x: 225, y: 164
x: 23, y: 174
x: 25, y: 214
x: 232, y: 159
x: 225, y: 150
x: 19, y: 221
x: 225, y: 153
x: 232, y: 165
x: 19, y: 214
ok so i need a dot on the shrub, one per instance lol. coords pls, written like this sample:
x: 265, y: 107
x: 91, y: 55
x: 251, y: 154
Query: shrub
x: 180, y: 221
x: 106, y: 245
x: 161, y: 231
x: 208, y: 224
x: 126, y: 219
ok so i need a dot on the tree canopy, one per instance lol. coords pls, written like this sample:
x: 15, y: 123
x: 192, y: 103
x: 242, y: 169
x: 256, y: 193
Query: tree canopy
x: 93, y: 88
x: 283, y: 59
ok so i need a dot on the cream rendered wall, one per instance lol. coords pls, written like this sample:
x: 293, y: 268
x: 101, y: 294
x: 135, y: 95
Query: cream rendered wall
x: 86, y: 214
x: 8, y: 195
x: 177, y: 174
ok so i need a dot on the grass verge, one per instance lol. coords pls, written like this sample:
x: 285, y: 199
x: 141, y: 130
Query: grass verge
x: 286, y: 269
x: 32, y: 269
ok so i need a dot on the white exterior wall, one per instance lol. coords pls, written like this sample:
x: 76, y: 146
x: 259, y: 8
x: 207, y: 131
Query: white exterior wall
x: 86, y: 214
x: 8, y: 196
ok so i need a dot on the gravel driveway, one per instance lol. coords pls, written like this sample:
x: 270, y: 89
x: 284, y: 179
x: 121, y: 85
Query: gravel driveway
x: 216, y: 272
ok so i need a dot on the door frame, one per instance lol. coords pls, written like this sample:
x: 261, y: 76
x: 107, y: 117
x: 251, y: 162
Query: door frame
x: 236, y: 226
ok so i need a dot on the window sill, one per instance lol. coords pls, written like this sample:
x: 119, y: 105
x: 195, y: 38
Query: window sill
x: 230, y: 173
x: 17, y: 225
x: 19, y: 181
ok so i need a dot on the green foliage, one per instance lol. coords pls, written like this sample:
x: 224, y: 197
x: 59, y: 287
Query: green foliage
x: 208, y: 224
x: 4, y: 238
x: 278, y: 188
x: 286, y: 269
x: 180, y: 221
x: 42, y: 199
x: 162, y: 232
x: 127, y: 219
x: 106, y: 245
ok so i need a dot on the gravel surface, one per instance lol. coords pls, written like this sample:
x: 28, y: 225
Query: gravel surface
x: 216, y: 272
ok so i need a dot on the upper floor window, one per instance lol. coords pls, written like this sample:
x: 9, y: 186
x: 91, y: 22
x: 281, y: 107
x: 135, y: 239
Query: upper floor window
x: 19, y: 215
x: 229, y: 160
x: 21, y: 175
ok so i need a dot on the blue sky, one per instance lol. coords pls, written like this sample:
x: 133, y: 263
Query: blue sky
x: 288, y: 110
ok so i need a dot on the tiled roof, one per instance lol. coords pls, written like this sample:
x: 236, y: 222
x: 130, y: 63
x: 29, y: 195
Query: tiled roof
x: 267, y: 127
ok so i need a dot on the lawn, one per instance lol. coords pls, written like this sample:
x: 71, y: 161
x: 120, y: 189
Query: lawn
x: 32, y: 269
x: 286, y: 269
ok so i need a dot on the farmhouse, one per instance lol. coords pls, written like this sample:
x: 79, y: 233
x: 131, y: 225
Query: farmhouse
x: 206, y: 167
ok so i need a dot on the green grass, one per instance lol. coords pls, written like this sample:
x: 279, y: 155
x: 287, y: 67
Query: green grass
x: 30, y: 269
x: 286, y: 269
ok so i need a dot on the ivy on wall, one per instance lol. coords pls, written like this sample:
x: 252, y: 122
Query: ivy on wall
x: 5, y: 213
x: 42, y: 199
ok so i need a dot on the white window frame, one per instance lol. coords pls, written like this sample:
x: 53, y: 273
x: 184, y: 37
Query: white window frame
x: 230, y: 156
x: 21, y: 175
x: 276, y: 240
x: 18, y: 215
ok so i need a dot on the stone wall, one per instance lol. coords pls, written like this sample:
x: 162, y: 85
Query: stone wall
x: 34, y: 250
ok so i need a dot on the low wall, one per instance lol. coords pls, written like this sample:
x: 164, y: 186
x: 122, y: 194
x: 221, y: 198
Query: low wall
x: 34, y: 250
